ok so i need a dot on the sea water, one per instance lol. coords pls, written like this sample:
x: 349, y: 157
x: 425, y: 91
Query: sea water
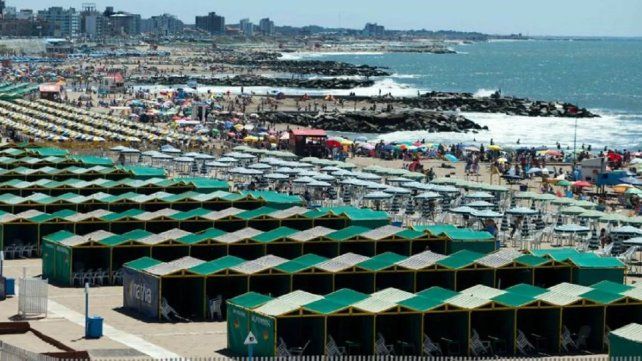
x: 604, y: 76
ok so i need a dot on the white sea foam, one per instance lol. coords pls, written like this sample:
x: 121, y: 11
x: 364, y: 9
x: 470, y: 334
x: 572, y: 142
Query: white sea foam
x: 302, y: 55
x: 609, y: 130
x: 405, y: 76
x: 386, y: 85
x: 484, y: 93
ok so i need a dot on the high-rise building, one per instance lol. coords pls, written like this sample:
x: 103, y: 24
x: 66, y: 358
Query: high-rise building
x: 25, y: 14
x: 163, y: 25
x: 61, y: 22
x: 266, y: 26
x: 374, y: 30
x: 123, y: 23
x: 92, y: 22
x: 2, y: 6
x: 246, y: 27
x: 212, y: 23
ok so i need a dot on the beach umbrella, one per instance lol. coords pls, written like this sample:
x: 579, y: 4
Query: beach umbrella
x: 584, y: 204
x: 260, y: 166
x: 633, y: 191
x: 462, y: 210
x: 626, y: 230
x: 451, y: 158
x: 227, y: 160
x: 522, y: 211
x: 631, y: 180
x: 613, y: 218
x: 397, y: 190
x: 276, y: 176
x: 572, y: 210
x: 563, y: 183
x: 445, y: 189
x: 592, y: 214
x: 563, y: 201
x: 634, y: 220
x: 366, y: 176
x: 331, y: 169
x: 480, y: 204
x: 323, y: 177
x: 218, y: 164
x: 287, y: 170
x: 581, y: 184
x: 428, y: 195
x: 636, y: 161
x: 494, y: 147
x: 318, y: 184
x: 525, y: 195
x: 572, y: 228
x: 544, y: 197
x: 377, y: 196
x: 479, y: 195
x: 486, y: 213
x: 303, y: 180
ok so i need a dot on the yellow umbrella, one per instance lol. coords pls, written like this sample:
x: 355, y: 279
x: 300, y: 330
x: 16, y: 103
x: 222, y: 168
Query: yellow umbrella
x: 502, y: 160
x: 250, y: 138
x: 621, y: 188
x: 494, y: 147
x: 346, y: 142
x: 238, y: 126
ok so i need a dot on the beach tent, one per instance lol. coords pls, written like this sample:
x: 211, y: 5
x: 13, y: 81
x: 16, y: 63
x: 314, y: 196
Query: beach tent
x: 626, y: 341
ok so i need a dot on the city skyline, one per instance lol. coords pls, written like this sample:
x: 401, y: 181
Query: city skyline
x: 545, y: 17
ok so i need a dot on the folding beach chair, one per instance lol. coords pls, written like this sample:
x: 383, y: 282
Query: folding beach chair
x: 381, y: 349
x: 282, y: 349
x: 582, y: 336
x: 523, y: 345
x: 567, y: 342
x: 431, y: 348
x: 332, y: 349
x: 168, y: 311
x: 479, y: 347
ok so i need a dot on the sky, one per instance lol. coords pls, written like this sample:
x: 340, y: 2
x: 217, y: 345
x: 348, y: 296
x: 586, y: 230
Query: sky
x: 529, y: 17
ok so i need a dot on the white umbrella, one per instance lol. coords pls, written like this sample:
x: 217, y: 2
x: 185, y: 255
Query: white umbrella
x: 366, y: 176
x: 323, y: 177
x: 218, y: 165
x: 480, y: 204
x: 397, y: 190
x: 462, y: 210
x: 303, y: 180
x: 428, y: 195
x: 227, y: 160
x: 377, y: 196
x: 319, y: 184
x: 572, y: 228
x: 479, y: 195
x: 276, y: 176
x: 287, y: 170
x: 259, y: 166
x: 487, y: 213
x: 522, y: 211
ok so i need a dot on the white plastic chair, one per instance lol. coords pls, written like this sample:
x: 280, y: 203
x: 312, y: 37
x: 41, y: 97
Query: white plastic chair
x: 215, y: 308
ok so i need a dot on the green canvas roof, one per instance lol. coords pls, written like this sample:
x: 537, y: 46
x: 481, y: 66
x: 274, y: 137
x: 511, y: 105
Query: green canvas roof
x: 130, y: 213
x: 612, y: 287
x: 126, y: 237
x: 217, y: 265
x: 273, y: 235
x: 58, y: 236
x: 142, y: 263
x: 591, y: 260
x: 247, y: 215
x: 512, y: 299
x: 193, y: 213
x: 468, y: 235
x: 410, y: 234
x: 250, y: 300
x: 46, y: 217
x: 602, y: 297
x: 206, y: 183
x: 435, y: 230
x: 421, y: 303
x: 346, y: 296
x: 202, y: 236
x: 531, y: 261
x: 48, y: 152
x: 438, y: 293
x: 92, y: 160
x: 381, y: 261
x: 301, y: 263
x: 557, y: 254
x: 325, y: 306
x: 527, y: 290
x: 347, y: 233
x: 460, y: 259
x: 138, y: 171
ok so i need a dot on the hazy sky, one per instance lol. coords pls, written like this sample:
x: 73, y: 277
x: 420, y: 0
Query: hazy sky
x: 531, y: 17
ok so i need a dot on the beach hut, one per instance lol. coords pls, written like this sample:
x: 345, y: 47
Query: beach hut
x: 626, y: 341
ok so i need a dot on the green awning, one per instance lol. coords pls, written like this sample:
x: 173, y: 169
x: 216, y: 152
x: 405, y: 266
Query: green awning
x: 273, y: 235
x: 527, y: 290
x: 347, y: 233
x: 300, y: 263
x: 437, y: 293
x: 142, y: 263
x: 202, y: 236
x: 250, y: 300
x: 216, y: 266
x: 460, y: 259
x: 381, y: 261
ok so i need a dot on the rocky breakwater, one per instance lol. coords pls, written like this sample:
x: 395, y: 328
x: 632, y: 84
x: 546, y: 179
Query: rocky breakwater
x: 378, y: 122
x: 254, y: 80
x: 327, y: 68
x: 496, y: 103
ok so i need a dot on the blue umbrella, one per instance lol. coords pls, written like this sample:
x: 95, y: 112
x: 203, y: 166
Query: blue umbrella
x: 631, y: 180
x: 451, y: 158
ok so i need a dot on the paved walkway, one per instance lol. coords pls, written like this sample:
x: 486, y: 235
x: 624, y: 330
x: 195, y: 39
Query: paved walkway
x: 125, y: 338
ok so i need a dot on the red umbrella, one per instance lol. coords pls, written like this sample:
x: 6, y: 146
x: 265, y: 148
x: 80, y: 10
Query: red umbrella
x: 614, y: 157
x: 333, y: 143
x: 555, y: 153
x: 581, y: 184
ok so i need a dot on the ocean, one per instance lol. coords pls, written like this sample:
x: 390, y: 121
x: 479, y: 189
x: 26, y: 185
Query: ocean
x: 604, y: 76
